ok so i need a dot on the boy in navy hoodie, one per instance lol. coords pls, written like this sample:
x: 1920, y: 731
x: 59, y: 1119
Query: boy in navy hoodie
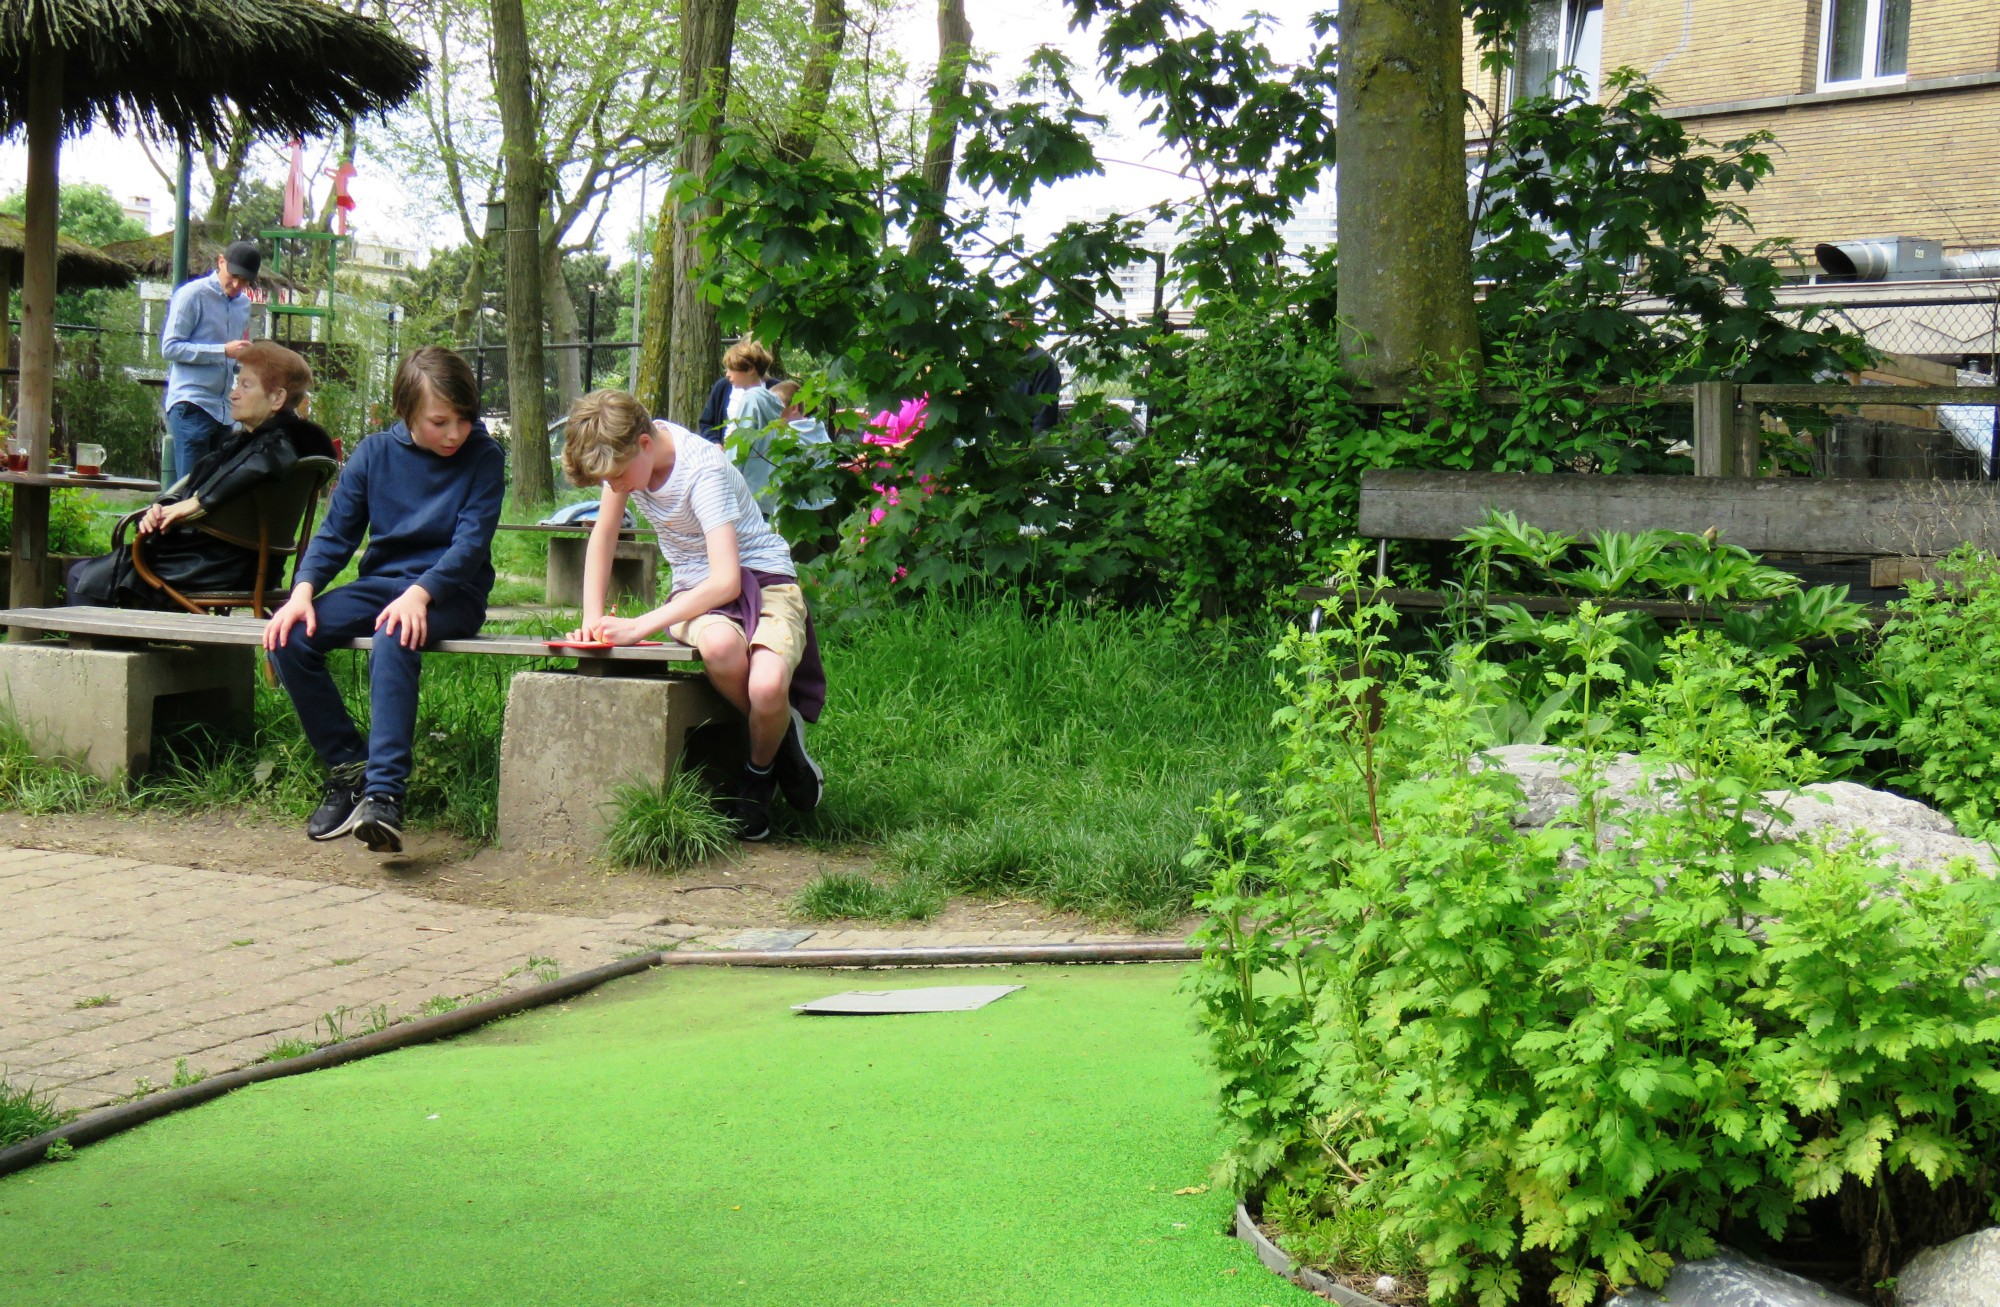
x: 427, y: 491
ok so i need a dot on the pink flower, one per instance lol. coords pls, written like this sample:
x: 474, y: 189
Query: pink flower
x: 875, y: 517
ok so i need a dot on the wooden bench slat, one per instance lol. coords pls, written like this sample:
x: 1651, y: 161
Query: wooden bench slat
x: 124, y: 624
x: 578, y: 528
x: 1762, y: 514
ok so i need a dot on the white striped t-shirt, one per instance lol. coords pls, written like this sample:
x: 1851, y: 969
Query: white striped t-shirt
x: 703, y: 492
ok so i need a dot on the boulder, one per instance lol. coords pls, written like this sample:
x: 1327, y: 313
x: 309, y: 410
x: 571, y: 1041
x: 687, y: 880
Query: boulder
x: 1903, y: 831
x: 1962, y: 1273
x: 1729, y: 1279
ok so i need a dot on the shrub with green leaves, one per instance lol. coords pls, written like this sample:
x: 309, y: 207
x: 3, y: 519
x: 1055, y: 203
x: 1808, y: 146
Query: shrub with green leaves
x: 1560, y: 1059
x: 1938, y: 695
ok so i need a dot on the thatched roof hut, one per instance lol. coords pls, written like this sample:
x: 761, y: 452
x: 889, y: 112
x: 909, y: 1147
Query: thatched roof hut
x: 153, y: 256
x: 78, y: 266
x: 288, y: 66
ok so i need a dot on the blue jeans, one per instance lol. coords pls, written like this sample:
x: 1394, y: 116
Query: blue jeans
x: 194, y: 433
x: 345, y: 613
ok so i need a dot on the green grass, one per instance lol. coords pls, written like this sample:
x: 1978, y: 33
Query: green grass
x: 288, y: 1048
x: 684, y: 1137
x: 1063, y: 758
x: 26, y: 1112
x: 983, y: 750
x: 848, y: 894
x: 667, y: 828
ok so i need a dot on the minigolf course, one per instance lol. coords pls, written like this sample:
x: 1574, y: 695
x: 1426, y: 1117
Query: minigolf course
x: 685, y: 1137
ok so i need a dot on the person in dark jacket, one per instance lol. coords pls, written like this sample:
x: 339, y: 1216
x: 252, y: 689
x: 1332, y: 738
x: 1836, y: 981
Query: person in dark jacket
x: 269, y: 439
x: 427, y: 494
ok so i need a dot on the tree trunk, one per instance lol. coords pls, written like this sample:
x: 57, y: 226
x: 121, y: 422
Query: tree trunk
x: 941, y: 136
x: 563, y: 326
x: 471, y: 293
x: 1405, y: 243
x: 802, y: 129
x: 527, y: 413
x: 708, y: 34
x: 223, y: 177
x: 656, y: 326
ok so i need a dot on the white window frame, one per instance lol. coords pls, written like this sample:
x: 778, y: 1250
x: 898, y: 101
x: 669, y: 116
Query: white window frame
x: 1570, y: 17
x: 1871, y: 49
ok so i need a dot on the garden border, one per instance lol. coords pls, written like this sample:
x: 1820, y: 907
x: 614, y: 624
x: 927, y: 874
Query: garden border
x: 1280, y: 1262
x: 108, y: 1121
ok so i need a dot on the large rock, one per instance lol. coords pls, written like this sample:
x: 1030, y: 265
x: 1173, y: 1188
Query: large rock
x: 1729, y: 1279
x: 1962, y: 1273
x: 1903, y: 831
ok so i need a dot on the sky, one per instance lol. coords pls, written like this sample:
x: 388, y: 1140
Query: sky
x: 1138, y: 170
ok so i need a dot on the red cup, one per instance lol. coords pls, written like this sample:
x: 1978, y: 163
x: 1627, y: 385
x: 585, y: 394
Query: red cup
x: 17, y: 462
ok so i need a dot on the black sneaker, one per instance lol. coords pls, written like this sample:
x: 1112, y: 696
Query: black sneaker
x: 336, y: 812
x: 799, y: 778
x: 750, y: 810
x: 378, y: 823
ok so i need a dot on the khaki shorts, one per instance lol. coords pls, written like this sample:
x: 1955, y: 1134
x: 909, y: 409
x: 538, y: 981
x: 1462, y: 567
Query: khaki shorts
x: 781, y: 624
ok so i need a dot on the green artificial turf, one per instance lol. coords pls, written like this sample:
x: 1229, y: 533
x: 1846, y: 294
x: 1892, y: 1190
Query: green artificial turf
x: 684, y: 1137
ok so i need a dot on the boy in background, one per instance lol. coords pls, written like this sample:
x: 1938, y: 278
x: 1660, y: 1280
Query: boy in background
x: 427, y: 492
x: 735, y: 595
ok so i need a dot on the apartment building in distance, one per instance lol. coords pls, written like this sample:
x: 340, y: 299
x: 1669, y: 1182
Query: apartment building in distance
x: 1885, y: 116
x: 1886, y: 113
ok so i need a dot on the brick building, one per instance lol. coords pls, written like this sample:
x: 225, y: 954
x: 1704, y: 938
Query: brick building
x: 1886, y: 112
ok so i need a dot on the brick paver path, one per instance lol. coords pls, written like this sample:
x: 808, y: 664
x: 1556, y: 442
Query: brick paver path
x: 114, y: 970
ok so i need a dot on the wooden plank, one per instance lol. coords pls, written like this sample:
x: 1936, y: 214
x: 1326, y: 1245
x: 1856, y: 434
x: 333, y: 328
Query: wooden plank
x: 187, y: 628
x: 1714, y: 429
x: 1869, y: 394
x: 1766, y: 513
x: 1391, y: 397
x: 578, y: 528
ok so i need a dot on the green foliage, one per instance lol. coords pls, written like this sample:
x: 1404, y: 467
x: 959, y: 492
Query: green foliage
x: 1936, y: 695
x: 1815, y: 633
x: 667, y: 828
x: 74, y: 527
x: 26, y: 1112
x: 97, y: 399
x: 841, y: 895
x: 288, y: 1048
x: 1560, y: 1059
x: 1589, y: 205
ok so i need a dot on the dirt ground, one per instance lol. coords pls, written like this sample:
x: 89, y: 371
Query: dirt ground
x: 753, y: 888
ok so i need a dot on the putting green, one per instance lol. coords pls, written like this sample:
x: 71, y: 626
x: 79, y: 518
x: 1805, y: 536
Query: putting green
x: 683, y: 1137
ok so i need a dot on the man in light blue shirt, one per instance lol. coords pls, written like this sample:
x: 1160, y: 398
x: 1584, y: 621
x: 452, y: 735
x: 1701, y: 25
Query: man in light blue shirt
x: 207, y: 321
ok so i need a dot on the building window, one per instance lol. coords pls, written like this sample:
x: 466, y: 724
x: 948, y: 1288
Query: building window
x: 1561, y: 34
x: 1864, y: 41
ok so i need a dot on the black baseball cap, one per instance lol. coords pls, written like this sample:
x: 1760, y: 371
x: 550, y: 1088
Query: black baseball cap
x: 243, y: 258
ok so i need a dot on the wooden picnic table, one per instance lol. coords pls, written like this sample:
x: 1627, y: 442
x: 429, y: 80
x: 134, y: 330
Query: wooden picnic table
x: 29, y: 578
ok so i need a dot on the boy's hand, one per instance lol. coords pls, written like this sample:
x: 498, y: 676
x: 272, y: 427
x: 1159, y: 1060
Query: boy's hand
x: 407, y: 617
x: 299, y: 608
x: 620, y: 630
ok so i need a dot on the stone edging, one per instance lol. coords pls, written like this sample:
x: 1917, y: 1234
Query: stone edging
x: 1280, y: 1262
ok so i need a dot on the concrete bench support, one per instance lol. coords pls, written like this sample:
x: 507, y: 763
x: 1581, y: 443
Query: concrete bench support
x: 99, y: 707
x: 570, y: 740
x: 635, y: 571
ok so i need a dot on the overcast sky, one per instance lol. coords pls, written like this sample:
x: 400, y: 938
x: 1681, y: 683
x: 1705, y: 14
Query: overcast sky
x: 1138, y: 171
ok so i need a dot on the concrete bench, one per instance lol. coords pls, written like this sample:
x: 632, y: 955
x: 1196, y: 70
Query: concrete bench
x: 95, y: 690
x: 635, y: 567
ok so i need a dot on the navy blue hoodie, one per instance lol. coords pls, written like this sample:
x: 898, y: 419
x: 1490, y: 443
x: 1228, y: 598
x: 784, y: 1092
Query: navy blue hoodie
x: 429, y: 518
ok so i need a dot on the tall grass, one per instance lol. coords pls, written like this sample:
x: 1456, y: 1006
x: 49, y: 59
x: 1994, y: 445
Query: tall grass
x: 667, y: 828
x: 1061, y: 757
x: 985, y: 750
x: 25, y: 1113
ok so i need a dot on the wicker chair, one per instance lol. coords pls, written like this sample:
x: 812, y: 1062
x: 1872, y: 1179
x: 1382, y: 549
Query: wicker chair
x: 272, y: 521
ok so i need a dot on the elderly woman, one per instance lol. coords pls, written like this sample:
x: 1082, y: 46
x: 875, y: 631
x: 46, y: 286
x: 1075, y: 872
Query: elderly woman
x: 269, y: 438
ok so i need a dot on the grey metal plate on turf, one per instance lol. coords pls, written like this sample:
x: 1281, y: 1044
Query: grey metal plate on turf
x: 880, y: 1002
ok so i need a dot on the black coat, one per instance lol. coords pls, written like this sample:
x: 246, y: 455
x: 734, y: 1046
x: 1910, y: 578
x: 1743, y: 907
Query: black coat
x: 186, y: 557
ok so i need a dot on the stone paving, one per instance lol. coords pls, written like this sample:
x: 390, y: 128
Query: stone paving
x: 115, y: 971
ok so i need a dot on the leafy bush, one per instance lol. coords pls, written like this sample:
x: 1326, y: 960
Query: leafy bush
x: 1934, y: 667
x: 73, y: 522
x: 1562, y: 1058
x: 1815, y: 633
